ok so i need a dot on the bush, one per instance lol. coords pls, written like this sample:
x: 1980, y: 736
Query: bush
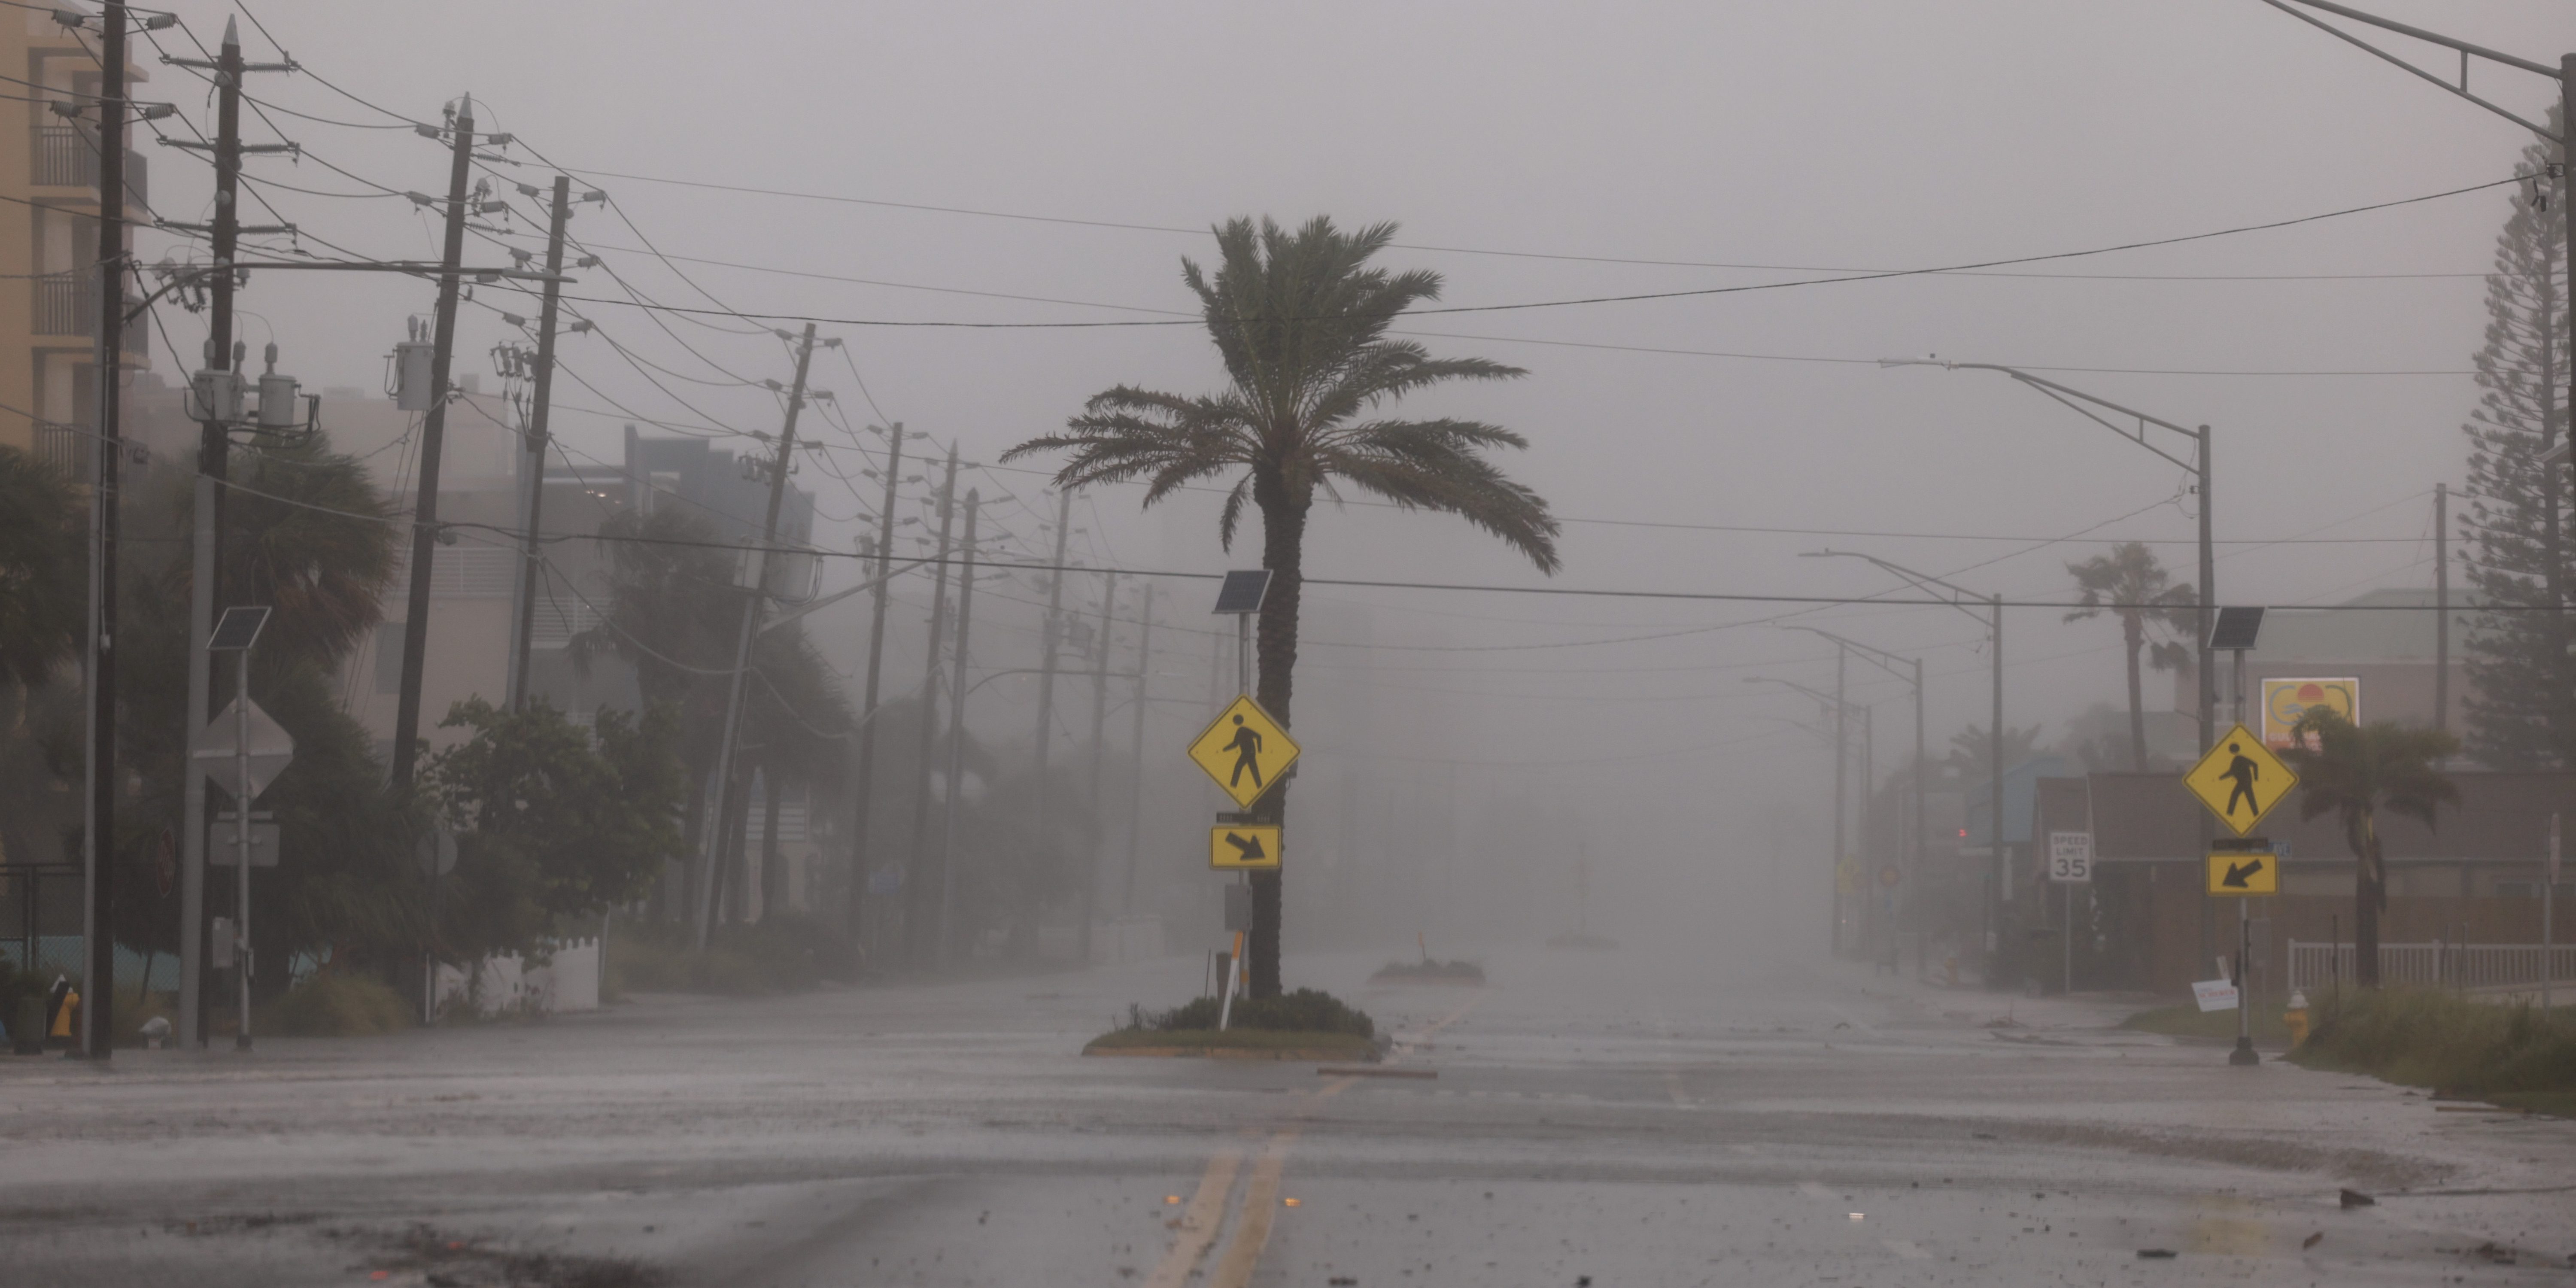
x: 1457, y: 972
x: 338, y: 1004
x: 782, y: 954
x: 2426, y: 1038
x: 1305, y: 1011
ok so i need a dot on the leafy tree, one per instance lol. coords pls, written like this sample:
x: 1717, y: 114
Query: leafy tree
x: 551, y: 827
x: 1300, y: 320
x: 2521, y: 701
x: 2129, y: 583
x: 42, y: 591
x: 2355, y: 772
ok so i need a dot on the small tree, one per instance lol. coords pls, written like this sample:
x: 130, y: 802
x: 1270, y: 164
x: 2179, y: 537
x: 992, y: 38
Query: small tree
x: 2129, y: 583
x: 551, y: 828
x: 2355, y: 771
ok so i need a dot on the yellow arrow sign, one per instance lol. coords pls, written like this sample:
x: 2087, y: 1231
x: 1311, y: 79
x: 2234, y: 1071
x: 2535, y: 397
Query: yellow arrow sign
x: 2242, y: 874
x: 1245, y: 751
x: 1250, y: 847
x: 2240, y: 780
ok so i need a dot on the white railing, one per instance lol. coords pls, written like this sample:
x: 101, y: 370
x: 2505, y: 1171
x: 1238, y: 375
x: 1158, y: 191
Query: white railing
x: 2465, y: 967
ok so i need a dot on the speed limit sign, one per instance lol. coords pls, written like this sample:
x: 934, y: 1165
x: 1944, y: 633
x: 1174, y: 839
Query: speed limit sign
x: 2070, y: 857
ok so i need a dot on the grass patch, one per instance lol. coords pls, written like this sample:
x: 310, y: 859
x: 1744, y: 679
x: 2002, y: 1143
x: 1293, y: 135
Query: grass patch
x: 2427, y: 1038
x: 1331, y: 1046
x: 1427, y: 971
x: 2189, y: 1021
x: 336, y: 1004
x: 1306, y: 1020
x: 781, y: 954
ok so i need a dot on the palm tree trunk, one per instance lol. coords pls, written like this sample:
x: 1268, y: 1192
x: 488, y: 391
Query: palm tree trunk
x: 1283, y: 542
x: 2370, y: 895
x: 2133, y: 632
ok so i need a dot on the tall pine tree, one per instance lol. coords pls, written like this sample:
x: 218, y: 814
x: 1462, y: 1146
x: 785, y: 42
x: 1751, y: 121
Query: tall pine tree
x: 2520, y: 702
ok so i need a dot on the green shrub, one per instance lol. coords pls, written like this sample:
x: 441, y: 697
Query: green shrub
x: 1305, y: 1011
x: 2427, y: 1038
x: 338, y: 1004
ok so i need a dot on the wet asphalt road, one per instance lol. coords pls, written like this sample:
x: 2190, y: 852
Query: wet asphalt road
x: 1594, y: 1119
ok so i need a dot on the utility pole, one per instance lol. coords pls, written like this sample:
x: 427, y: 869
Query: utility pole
x: 433, y: 432
x: 1136, y: 781
x: 956, y: 740
x: 755, y: 599
x: 1842, y: 795
x: 1099, y: 746
x: 1999, y: 876
x: 530, y: 566
x: 862, y: 793
x: 2442, y: 606
x: 1050, y: 632
x: 98, y: 1010
x: 214, y: 442
x: 917, y: 906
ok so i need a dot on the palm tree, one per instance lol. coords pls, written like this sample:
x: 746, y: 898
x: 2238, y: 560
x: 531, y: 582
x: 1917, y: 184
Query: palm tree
x: 1300, y: 320
x: 2356, y: 771
x: 2129, y: 583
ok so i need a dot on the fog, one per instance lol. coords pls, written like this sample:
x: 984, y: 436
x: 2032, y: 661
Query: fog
x: 1000, y: 164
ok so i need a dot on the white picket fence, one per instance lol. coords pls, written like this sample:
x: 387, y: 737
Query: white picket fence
x: 2468, y: 968
x: 569, y: 981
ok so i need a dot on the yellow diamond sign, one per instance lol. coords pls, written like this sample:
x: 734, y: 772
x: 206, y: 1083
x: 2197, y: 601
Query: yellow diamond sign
x: 1245, y: 751
x: 2240, y: 780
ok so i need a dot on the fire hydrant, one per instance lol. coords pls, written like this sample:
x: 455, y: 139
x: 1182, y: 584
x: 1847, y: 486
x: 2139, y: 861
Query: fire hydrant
x: 2296, y: 1019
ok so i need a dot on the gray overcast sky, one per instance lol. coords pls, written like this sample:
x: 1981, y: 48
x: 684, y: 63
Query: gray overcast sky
x: 1818, y: 135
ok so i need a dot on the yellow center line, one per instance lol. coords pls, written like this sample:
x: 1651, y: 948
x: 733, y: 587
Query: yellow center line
x: 1199, y: 1222
x: 1252, y: 1229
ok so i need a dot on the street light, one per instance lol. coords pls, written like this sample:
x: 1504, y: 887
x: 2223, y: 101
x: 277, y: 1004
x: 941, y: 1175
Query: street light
x: 1998, y: 877
x: 1911, y: 673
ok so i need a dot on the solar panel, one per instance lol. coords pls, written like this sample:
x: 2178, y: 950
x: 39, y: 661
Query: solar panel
x: 237, y: 629
x: 2235, y: 629
x: 1243, y: 591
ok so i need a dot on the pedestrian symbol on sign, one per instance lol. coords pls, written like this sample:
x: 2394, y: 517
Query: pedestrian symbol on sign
x: 1247, y: 754
x: 2242, y: 771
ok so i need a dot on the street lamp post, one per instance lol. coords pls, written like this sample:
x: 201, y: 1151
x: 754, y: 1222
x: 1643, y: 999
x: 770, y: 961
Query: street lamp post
x: 1998, y: 875
x: 1909, y: 670
x: 1841, y: 709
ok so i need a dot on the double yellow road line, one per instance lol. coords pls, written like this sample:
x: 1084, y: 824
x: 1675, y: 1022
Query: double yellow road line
x: 1205, y: 1217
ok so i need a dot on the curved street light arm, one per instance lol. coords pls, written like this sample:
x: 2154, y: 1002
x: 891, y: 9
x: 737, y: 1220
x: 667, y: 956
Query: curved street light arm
x: 1878, y: 657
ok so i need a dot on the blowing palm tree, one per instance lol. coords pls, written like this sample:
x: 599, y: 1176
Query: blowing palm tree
x: 2356, y: 771
x: 1299, y: 320
x: 2130, y: 584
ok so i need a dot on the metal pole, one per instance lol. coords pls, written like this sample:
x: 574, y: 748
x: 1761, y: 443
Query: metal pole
x: 956, y: 739
x: 2244, y: 1053
x: 1999, y: 873
x: 433, y: 433
x: 1050, y: 631
x: 1099, y: 747
x: 241, y: 847
x: 2548, y: 900
x: 1243, y: 653
x: 2208, y: 663
x: 2442, y: 606
x: 917, y: 905
x: 862, y: 802
x: 754, y: 601
x: 1921, y: 768
x: 98, y: 1009
x: 2567, y: 185
x: 1136, y: 781
x: 531, y: 567
x: 205, y: 549
x: 1842, y: 795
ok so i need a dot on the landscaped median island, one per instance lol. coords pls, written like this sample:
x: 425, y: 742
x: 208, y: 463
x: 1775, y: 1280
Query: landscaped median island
x: 1304, y: 1025
x: 2511, y: 1054
x: 1428, y: 971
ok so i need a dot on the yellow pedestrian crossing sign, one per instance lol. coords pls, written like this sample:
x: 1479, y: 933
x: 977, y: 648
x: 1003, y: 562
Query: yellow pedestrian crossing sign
x: 1245, y: 847
x: 2240, y: 780
x: 1245, y: 751
x: 2243, y: 874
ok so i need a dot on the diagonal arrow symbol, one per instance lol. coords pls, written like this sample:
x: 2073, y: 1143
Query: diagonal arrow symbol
x: 2239, y: 873
x: 1246, y: 847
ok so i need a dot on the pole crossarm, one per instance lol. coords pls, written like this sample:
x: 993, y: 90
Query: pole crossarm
x: 2466, y: 49
x: 1922, y: 581
x: 2070, y: 397
x: 1829, y: 700
x: 1878, y: 657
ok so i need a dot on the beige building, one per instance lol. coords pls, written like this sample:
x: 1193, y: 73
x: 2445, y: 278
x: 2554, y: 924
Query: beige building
x: 49, y: 209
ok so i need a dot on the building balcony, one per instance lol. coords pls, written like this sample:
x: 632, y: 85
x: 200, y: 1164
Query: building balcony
x: 67, y: 306
x: 66, y: 448
x: 66, y: 156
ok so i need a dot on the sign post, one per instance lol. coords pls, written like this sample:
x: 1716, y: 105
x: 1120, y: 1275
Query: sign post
x: 2239, y: 781
x: 2548, y: 897
x: 2070, y: 864
x: 234, y: 633
x: 1243, y: 742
